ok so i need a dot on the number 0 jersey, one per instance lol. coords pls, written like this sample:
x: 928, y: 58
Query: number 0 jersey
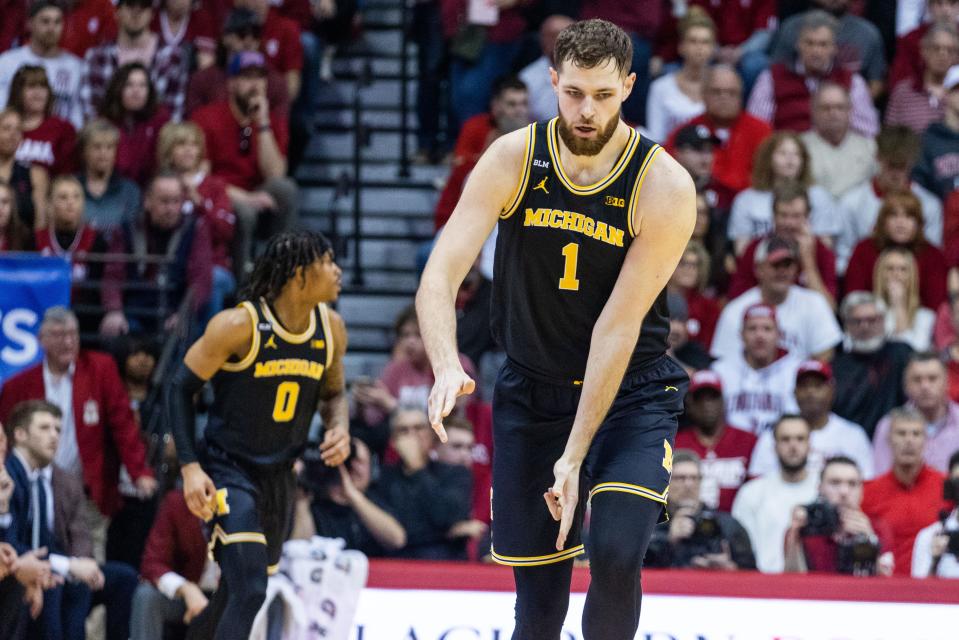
x: 263, y: 404
x: 559, y: 251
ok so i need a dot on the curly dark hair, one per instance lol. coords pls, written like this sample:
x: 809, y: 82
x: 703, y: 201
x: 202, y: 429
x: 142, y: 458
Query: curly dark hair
x: 112, y: 106
x: 277, y: 265
x: 591, y: 43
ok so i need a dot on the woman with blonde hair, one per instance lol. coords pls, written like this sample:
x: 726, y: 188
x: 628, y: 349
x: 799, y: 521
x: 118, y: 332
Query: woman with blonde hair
x: 896, y: 281
x: 780, y: 158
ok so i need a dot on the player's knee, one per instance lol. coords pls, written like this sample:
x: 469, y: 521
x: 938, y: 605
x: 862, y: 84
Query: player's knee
x: 249, y: 591
x: 621, y: 527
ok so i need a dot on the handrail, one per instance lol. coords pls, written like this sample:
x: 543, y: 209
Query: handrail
x: 361, y: 136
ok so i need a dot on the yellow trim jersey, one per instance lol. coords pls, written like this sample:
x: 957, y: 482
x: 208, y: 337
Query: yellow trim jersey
x: 559, y: 251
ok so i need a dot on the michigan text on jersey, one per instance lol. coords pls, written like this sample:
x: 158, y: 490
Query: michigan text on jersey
x: 572, y: 221
x: 289, y: 367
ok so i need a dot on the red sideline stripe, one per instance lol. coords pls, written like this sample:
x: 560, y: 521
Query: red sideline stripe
x: 398, y: 574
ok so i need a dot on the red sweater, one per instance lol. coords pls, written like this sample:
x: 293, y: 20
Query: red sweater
x: 932, y: 271
x: 176, y: 542
x: 473, y: 139
x: 908, y: 64
x: 703, y: 315
x: 793, y: 100
x: 137, y: 149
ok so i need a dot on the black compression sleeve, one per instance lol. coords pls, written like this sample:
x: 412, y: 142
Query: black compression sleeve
x: 181, y: 412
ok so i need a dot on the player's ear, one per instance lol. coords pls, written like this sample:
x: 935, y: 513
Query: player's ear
x: 554, y: 79
x: 628, y: 83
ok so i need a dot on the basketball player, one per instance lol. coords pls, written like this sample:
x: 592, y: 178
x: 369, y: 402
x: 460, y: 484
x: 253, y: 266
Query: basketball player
x: 592, y: 222
x: 272, y: 361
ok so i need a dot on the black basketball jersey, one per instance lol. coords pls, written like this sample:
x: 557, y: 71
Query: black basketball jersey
x: 559, y: 251
x: 263, y: 404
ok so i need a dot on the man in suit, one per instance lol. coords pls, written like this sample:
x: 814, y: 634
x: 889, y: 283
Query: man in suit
x: 98, y: 429
x: 46, y: 511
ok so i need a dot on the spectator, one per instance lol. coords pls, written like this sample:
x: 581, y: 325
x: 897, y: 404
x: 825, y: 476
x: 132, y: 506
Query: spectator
x: 764, y: 505
x: 689, y: 280
x: 242, y: 32
x: 840, y: 159
x: 182, y: 149
x: 14, y: 234
x: 163, y: 230
x: 917, y: 104
x: 280, y: 43
x: 458, y: 451
x: 896, y: 151
x: 897, y: 283
x: 780, y: 158
x: 938, y: 167
x: 111, y: 200
x: 696, y: 536
x: 535, y: 75
x: 426, y: 30
x: 508, y: 111
x: 43, y: 50
x: 933, y: 554
x: 340, y: 508
x: 43, y: 486
x: 136, y: 359
x: 833, y: 535
x: 334, y: 21
x: 829, y: 434
x: 725, y: 451
x: 182, y: 23
x: 48, y: 140
x: 88, y: 24
x: 427, y: 497
x: 869, y: 368
x: 783, y: 92
x: 758, y: 381
x: 692, y: 356
x: 927, y: 395
x: 908, y: 62
x: 474, y: 334
x: 899, y: 224
x: 677, y: 97
x: 178, y: 577
x: 695, y: 148
x: 909, y: 496
x: 130, y: 103
x: 807, y: 324
x: 817, y: 263
x: 246, y: 140
x: 28, y: 182
x: 858, y: 43
x: 744, y: 31
x: 739, y: 133
x: 135, y: 42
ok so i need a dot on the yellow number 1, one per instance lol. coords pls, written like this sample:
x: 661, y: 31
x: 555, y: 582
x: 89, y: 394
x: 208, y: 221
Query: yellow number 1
x: 569, y: 281
x: 285, y: 405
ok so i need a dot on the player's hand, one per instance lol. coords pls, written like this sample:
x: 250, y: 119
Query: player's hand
x: 194, y: 599
x: 448, y: 387
x: 335, y: 448
x: 562, y: 497
x: 199, y: 491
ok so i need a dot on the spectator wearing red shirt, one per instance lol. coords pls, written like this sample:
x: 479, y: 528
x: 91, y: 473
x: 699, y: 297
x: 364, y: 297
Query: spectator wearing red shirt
x: 908, y: 63
x: 190, y: 24
x: 281, y: 42
x: 739, y: 133
x: 88, y: 24
x: 689, y: 280
x: 745, y: 30
x: 817, y: 262
x: 918, y: 102
x: 900, y: 223
x: 130, y: 103
x: 725, y: 451
x: 48, y: 140
x: 909, y: 497
x: 246, y: 141
x: 807, y: 550
x: 509, y: 110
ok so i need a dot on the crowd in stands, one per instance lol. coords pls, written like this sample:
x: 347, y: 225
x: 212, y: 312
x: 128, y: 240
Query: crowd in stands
x: 816, y: 307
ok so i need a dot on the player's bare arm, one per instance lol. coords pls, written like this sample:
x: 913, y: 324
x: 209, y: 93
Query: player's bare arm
x: 664, y: 217
x: 334, y: 408
x: 229, y: 333
x: 489, y: 189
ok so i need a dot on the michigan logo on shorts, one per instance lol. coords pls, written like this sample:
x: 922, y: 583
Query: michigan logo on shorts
x: 667, y: 457
x: 222, y: 506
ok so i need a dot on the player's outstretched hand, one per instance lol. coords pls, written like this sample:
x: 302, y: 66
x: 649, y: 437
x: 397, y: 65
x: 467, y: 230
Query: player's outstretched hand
x: 562, y: 497
x: 448, y: 387
x: 335, y: 448
x: 198, y: 491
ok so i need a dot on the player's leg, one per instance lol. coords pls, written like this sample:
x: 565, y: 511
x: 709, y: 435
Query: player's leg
x: 542, y: 598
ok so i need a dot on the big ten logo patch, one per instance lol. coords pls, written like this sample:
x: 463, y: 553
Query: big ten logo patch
x: 21, y: 345
x: 612, y: 201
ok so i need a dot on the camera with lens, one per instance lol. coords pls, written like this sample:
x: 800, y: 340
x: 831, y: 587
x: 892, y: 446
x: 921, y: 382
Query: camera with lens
x: 857, y: 556
x: 822, y: 519
x: 707, y: 536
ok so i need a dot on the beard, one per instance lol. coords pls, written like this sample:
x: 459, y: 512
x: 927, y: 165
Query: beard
x: 582, y: 147
x: 792, y: 468
x: 869, y: 345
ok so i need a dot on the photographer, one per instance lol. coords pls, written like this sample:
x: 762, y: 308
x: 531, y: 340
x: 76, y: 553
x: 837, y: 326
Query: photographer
x: 832, y: 534
x: 936, y: 552
x: 695, y: 536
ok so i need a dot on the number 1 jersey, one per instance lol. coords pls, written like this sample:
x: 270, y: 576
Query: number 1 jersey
x: 559, y: 251
x: 263, y: 404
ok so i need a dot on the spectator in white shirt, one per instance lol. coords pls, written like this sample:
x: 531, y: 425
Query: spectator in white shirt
x: 677, y: 97
x: 936, y: 550
x: 807, y: 325
x: 829, y: 435
x: 535, y: 75
x: 764, y: 505
x: 896, y: 282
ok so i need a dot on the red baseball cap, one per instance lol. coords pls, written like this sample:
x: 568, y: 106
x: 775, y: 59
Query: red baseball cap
x: 705, y: 379
x: 821, y: 369
x: 760, y: 310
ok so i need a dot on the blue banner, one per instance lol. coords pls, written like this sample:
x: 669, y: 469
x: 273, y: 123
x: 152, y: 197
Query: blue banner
x: 29, y: 285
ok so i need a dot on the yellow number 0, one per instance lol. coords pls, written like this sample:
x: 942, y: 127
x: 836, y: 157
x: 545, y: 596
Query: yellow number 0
x: 569, y: 281
x: 285, y: 405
